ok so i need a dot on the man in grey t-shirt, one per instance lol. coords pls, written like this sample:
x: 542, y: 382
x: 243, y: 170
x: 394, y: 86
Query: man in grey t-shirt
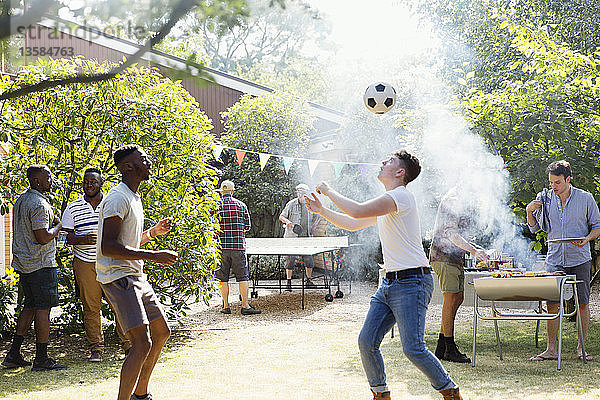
x: 34, y: 257
x: 297, y: 223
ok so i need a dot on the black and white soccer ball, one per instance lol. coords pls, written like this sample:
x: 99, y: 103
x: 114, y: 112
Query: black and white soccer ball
x: 380, y: 97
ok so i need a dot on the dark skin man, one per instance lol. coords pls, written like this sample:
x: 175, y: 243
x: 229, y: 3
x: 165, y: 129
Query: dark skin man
x: 147, y: 340
x: 92, y: 193
x: 42, y: 182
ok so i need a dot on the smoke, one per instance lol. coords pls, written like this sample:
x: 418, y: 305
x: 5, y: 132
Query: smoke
x: 450, y: 154
x: 454, y: 157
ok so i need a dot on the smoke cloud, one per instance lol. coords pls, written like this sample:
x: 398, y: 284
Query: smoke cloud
x: 423, y: 123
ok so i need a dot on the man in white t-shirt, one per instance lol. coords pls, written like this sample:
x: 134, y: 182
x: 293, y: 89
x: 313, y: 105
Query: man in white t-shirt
x: 119, y: 268
x: 405, y: 292
x: 80, y: 220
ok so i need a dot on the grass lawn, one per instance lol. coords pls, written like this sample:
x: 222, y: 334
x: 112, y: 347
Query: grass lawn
x: 305, y: 359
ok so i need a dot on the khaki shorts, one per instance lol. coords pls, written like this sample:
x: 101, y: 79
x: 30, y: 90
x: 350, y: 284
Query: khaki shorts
x: 451, y: 277
x: 133, y: 301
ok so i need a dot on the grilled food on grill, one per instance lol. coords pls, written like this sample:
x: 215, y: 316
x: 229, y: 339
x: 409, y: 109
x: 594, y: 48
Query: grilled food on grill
x: 512, y: 273
x: 495, y: 264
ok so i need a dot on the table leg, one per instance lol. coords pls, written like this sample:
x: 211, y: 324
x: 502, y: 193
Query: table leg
x: 303, y: 278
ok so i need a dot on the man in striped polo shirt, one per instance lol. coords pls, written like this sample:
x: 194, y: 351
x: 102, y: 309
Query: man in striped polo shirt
x: 80, y: 220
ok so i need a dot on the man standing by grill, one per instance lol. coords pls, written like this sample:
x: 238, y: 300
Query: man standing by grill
x: 405, y: 292
x: 566, y: 212
x: 446, y: 256
x: 298, y: 223
x: 80, y: 220
x: 235, y: 221
x: 35, y: 228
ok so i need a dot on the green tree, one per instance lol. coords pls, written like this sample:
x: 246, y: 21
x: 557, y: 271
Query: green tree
x: 304, y: 78
x: 551, y: 113
x: 73, y: 127
x: 154, y: 22
x: 269, y: 35
x: 277, y: 123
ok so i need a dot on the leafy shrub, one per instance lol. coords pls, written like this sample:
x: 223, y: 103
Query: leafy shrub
x: 70, y: 128
x: 276, y: 123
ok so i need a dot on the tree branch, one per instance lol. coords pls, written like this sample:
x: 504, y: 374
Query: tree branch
x: 182, y: 8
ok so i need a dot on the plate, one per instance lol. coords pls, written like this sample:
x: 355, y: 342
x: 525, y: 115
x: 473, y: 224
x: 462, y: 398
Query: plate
x: 565, y: 240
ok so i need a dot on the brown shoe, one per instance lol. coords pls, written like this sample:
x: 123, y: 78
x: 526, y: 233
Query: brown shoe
x: 381, y: 395
x: 451, y: 394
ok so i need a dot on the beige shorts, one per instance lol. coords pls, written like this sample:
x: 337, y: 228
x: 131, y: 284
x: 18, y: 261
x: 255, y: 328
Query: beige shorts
x: 133, y: 301
x: 451, y: 277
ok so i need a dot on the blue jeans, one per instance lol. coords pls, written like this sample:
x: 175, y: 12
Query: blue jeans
x: 403, y: 301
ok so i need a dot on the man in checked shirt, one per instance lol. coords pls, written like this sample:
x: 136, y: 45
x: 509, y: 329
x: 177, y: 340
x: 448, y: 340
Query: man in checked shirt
x: 235, y: 221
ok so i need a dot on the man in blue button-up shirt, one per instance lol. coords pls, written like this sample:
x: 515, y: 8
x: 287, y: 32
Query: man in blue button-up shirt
x: 566, y: 212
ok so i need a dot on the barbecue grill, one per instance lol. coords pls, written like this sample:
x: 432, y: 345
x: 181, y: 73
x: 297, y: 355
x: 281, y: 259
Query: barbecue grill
x: 537, y: 288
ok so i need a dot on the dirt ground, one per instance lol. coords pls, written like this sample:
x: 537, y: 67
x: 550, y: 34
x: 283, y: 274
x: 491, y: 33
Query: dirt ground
x: 285, y: 352
x: 287, y: 307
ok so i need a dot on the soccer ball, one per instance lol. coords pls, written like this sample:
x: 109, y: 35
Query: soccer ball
x: 380, y: 97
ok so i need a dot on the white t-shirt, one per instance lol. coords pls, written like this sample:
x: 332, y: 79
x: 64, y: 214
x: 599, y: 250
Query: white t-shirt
x: 400, y: 233
x: 122, y: 202
x: 82, y: 218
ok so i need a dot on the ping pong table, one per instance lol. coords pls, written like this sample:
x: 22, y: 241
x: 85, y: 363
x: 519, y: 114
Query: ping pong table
x: 309, y: 246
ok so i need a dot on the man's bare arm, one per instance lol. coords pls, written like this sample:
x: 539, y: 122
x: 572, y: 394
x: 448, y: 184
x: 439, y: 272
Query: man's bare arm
x: 340, y: 220
x: 460, y: 242
x: 381, y: 205
x: 111, y: 247
x: 44, y: 236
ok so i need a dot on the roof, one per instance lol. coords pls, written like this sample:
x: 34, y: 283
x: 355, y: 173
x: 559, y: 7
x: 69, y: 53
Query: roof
x: 158, y: 57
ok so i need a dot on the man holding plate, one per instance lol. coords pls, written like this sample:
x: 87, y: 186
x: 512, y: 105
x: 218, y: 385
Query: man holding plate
x: 571, y: 218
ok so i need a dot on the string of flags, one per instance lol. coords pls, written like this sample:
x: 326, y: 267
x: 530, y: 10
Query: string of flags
x: 263, y: 158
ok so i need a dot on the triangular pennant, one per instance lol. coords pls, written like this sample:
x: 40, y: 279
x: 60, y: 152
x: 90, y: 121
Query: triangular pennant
x: 239, y: 154
x: 312, y: 166
x: 287, y: 163
x: 263, y: 158
x: 364, y: 168
x: 217, y: 150
x: 337, y: 168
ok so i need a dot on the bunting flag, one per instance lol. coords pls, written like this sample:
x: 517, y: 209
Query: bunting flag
x: 263, y: 158
x: 218, y: 149
x: 364, y: 168
x: 337, y: 168
x: 312, y: 166
x: 239, y: 154
x: 287, y: 163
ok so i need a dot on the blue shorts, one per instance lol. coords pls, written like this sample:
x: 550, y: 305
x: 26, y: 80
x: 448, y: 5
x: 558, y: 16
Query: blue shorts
x: 40, y: 288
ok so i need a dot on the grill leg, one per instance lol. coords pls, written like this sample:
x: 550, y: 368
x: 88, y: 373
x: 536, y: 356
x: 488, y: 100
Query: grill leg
x: 474, y: 327
x: 497, y: 331
x: 537, y: 327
